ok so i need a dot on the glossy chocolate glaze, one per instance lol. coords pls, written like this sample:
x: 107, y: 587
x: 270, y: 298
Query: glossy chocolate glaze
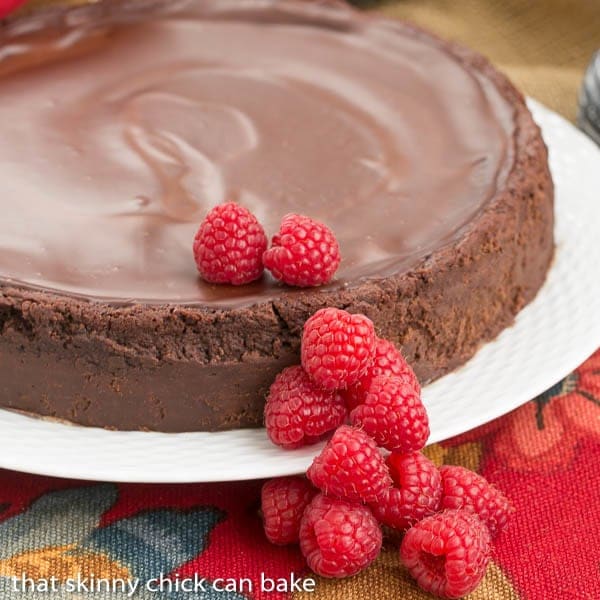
x: 112, y: 151
x: 118, y: 130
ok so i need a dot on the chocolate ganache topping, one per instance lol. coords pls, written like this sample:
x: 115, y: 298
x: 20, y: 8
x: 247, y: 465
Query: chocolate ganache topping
x: 120, y: 128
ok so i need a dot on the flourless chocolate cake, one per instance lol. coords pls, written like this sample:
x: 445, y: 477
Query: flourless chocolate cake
x: 123, y: 123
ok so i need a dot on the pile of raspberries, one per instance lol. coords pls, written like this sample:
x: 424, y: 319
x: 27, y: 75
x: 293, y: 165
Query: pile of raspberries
x: 358, y: 389
x: 371, y: 472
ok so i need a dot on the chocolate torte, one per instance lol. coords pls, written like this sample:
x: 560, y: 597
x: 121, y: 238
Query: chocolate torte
x: 122, y: 123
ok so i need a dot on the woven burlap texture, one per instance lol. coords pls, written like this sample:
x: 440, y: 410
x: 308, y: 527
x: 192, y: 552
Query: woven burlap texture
x: 543, y: 46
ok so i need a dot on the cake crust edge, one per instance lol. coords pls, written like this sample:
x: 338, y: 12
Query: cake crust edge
x: 175, y: 368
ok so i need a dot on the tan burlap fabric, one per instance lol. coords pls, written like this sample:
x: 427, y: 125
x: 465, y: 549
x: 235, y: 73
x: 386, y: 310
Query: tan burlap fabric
x: 543, y: 45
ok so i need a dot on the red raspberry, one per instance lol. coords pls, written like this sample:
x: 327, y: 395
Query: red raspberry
x: 469, y: 491
x: 393, y: 415
x: 304, y: 253
x: 447, y: 553
x: 283, y: 503
x: 388, y: 361
x: 337, y: 347
x: 338, y: 538
x: 298, y: 413
x: 7, y: 6
x: 351, y: 467
x: 229, y: 245
x: 416, y: 494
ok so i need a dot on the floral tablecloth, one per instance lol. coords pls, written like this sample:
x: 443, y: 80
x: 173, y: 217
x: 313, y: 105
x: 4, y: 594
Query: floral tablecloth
x: 64, y: 538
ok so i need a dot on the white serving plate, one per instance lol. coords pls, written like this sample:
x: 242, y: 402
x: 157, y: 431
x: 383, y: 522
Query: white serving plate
x: 550, y: 337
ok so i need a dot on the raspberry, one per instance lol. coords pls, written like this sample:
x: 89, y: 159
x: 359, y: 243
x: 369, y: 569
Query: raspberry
x: 388, y: 361
x: 469, y: 491
x: 298, y: 413
x: 7, y: 6
x: 338, y: 538
x: 447, y: 553
x: 337, y: 347
x: 229, y: 245
x: 283, y: 503
x: 351, y: 467
x: 393, y: 415
x: 304, y: 253
x: 416, y: 494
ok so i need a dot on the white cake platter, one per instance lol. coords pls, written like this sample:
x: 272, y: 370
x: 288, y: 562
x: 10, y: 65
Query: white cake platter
x: 550, y: 337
